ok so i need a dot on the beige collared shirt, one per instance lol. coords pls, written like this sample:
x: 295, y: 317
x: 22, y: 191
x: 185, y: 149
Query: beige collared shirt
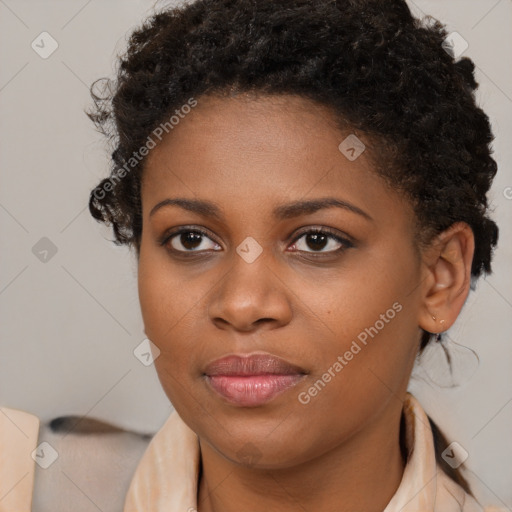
x: 166, y: 478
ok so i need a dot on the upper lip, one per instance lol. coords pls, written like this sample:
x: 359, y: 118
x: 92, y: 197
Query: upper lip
x: 254, y: 364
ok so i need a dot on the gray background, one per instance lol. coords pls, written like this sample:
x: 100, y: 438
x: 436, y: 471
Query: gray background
x: 69, y: 324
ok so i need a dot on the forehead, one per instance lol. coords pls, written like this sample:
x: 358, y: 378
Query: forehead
x: 236, y: 131
x: 249, y: 152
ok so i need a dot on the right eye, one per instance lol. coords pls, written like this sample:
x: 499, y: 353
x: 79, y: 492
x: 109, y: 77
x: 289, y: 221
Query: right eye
x: 188, y: 240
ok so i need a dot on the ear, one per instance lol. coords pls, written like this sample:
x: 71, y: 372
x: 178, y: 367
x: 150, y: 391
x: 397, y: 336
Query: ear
x: 446, y: 277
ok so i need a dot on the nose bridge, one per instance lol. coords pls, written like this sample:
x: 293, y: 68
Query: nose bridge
x: 250, y: 291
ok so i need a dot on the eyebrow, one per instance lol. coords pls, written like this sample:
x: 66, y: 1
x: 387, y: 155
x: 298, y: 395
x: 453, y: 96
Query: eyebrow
x: 286, y: 211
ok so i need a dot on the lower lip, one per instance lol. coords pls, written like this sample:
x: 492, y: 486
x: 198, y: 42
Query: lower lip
x: 252, y: 390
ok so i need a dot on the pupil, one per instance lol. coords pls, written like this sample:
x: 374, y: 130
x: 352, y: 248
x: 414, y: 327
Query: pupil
x: 317, y: 238
x: 191, y: 240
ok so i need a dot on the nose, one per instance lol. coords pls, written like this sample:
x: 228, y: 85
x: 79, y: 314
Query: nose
x: 249, y: 296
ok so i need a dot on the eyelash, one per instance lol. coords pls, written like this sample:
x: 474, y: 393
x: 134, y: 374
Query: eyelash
x: 345, y: 243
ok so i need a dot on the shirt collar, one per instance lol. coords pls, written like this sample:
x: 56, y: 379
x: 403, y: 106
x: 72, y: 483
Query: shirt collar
x: 417, y: 489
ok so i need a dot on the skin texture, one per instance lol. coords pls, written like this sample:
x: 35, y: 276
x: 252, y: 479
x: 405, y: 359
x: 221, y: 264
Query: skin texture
x: 341, y: 450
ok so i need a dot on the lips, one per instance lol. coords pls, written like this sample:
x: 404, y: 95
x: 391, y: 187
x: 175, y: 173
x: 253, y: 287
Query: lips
x: 250, y: 381
x: 256, y: 364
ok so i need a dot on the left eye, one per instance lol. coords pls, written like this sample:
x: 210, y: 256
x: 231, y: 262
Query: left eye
x: 318, y: 239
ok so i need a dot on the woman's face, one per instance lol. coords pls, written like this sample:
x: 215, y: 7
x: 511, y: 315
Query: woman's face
x: 342, y: 312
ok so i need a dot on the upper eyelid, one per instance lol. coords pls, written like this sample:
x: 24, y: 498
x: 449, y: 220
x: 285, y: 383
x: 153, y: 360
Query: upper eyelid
x: 170, y: 233
x: 323, y: 229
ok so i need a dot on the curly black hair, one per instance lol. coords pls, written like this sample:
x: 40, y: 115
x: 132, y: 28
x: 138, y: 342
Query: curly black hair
x: 384, y: 74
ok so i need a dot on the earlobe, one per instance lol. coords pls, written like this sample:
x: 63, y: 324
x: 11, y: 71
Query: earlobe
x: 447, y: 263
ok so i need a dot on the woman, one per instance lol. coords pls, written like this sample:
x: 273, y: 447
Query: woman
x: 304, y: 184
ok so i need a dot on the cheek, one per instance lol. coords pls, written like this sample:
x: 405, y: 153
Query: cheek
x: 161, y: 296
x: 173, y: 308
x: 154, y: 302
x: 164, y: 307
x: 370, y: 321
x: 358, y: 374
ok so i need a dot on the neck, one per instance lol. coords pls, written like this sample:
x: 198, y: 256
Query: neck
x: 361, y: 473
